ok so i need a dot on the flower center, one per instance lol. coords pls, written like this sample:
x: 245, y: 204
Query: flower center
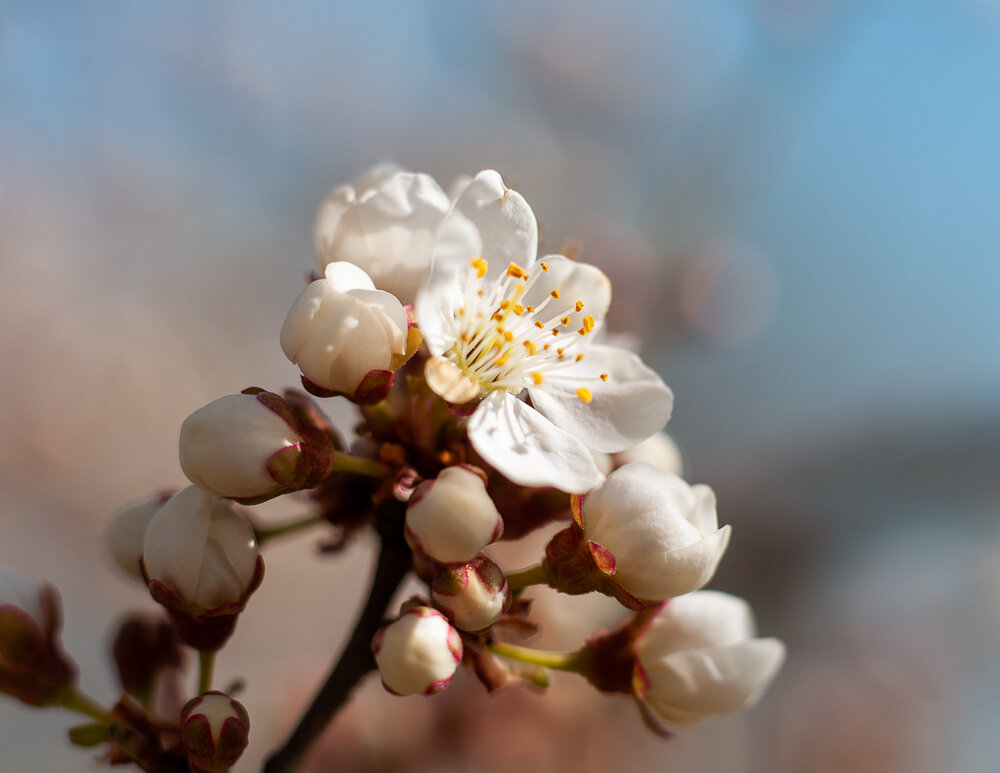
x: 501, y: 342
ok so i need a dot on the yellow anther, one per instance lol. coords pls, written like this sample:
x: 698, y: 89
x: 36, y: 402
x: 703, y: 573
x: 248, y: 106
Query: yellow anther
x: 547, y: 347
x: 538, y: 378
x: 579, y: 305
x: 518, y: 309
x: 539, y: 325
x: 508, y: 335
x: 555, y: 332
x: 544, y: 265
x: 565, y: 321
x: 479, y: 292
x: 480, y: 265
x: 560, y: 353
x: 584, y: 394
x: 555, y: 294
x: 588, y: 323
x: 498, y: 316
x: 461, y: 312
x: 500, y: 361
x: 530, y: 346
x: 579, y: 357
x: 604, y: 377
x: 531, y: 309
x: 505, y: 305
x: 516, y: 271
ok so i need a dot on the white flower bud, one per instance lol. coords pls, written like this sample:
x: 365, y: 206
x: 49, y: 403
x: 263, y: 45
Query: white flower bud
x: 473, y: 595
x: 252, y: 446
x: 341, y: 329
x: 452, y: 518
x: 386, y: 223
x: 202, y: 549
x: 659, y: 450
x: 697, y: 657
x: 19, y: 592
x: 126, y: 533
x: 654, y: 535
x: 215, y: 729
x: 417, y: 653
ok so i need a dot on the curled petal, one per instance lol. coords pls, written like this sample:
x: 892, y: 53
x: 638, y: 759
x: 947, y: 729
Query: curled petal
x: 488, y: 221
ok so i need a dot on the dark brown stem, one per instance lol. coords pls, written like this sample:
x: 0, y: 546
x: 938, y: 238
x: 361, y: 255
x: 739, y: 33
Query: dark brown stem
x: 355, y: 661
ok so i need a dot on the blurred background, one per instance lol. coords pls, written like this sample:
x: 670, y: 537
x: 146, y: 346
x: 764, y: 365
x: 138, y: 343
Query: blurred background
x: 797, y: 202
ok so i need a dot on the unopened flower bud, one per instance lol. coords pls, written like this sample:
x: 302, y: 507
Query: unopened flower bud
x: 686, y: 659
x: 201, y: 561
x: 452, y: 518
x: 417, y: 653
x: 473, y: 595
x: 651, y: 533
x: 346, y: 337
x: 251, y: 447
x: 659, y: 450
x: 33, y: 667
x: 386, y: 223
x: 144, y: 648
x: 697, y: 657
x: 215, y: 729
x: 127, y: 532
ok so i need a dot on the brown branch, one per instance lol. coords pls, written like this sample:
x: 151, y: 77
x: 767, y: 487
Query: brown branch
x: 355, y: 661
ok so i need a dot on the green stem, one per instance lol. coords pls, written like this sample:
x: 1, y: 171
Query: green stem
x: 263, y: 535
x: 81, y: 703
x: 206, y: 666
x: 358, y: 465
x: 562, y: 661
x: 533, y: 575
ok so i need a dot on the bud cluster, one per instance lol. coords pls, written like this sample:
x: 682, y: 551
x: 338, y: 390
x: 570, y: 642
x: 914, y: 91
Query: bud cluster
x: 489, y: 406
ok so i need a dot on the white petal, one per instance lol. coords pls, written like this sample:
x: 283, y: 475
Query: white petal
x: 631, y: 405
x: 174, y: 547
x: 333, y: 208
x: 527, y: 448
x: 575, y: 282
x: 437, y: 303
x: 388, y: 306
x: 676, y: 572
x: 344, y: 277
x: 390, y: 232
x: 704, y: 618
x: 688, y: 686
x: 488, y: 221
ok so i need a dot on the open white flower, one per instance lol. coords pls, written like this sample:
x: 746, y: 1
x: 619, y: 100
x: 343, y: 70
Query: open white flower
x: 385, y: 222
x: 697, y: 657
x: 499, y: 323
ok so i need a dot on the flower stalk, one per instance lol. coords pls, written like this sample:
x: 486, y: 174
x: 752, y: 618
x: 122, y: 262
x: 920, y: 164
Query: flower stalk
x: 76, y: 700
x: 561, y: 661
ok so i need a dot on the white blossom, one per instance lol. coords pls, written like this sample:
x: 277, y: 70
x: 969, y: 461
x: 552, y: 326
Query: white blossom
x: 452, y: 517
x: 417, y: 653
x: 202, y: 549
x: 341, y: 329
x: 386, y: 223
x: 501, y: 325
x: 698, y: 657
x: 652, y: 533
